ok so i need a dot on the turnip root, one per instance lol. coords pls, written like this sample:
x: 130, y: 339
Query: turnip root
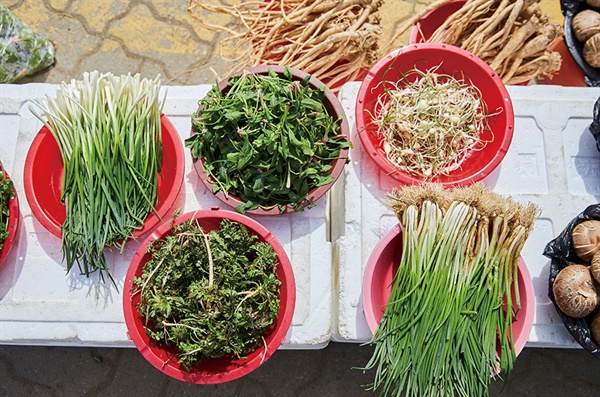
x: 586, y: 239
x: 574, y: 291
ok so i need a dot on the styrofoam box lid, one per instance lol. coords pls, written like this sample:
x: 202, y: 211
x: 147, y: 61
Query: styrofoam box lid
x: 552, y: 162
x: 40, y: 305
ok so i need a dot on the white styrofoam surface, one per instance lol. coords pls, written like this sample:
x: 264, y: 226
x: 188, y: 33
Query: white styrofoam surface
x: 552, y: 162
x: 41, y: 305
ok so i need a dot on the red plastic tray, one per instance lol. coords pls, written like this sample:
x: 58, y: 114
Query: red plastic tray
x: 44, y: 170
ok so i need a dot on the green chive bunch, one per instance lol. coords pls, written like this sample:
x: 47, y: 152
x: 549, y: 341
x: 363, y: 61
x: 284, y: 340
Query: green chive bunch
x: 109, y: 134
x: 210, y: 294
x: 455, y: 294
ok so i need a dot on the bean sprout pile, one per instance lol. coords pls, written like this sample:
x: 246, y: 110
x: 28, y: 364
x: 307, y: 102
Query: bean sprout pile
x: 431, y: 123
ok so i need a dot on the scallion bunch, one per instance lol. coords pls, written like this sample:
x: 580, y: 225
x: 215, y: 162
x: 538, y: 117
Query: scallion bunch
x: 455, y: 294
x: 109, y: 134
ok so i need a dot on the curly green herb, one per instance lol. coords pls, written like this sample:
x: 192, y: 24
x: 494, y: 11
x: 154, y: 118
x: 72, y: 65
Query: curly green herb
x: 210, y: 294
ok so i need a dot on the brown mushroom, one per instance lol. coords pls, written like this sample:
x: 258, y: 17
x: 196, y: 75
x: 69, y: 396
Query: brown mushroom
x: 585, y: 24
x: 574, y: 291
x: 595, y: 328
x: 591, y: 51
x: 593, y: 3
x: 586, y: 239
x: 595, y: 267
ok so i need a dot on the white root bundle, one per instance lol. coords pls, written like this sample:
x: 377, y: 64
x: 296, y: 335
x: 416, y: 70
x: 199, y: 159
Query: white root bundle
x: 512, y: 36
x: 333, y: 40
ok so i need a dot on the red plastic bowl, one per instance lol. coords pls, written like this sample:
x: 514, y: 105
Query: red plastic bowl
x: 44, y: 170
x: 13, y: 223
x: 216, y: 370
x: 334, y: 108
x: 429, y: 22
x: 383, y: 264
x: 463, y: 66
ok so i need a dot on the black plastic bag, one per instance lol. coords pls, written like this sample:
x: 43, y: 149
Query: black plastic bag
x: 595, y: 126
x: 562, y: 254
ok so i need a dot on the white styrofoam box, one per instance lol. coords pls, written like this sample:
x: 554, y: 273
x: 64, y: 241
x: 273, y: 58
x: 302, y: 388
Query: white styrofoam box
x: 552, y: 162
x: 40, y: 304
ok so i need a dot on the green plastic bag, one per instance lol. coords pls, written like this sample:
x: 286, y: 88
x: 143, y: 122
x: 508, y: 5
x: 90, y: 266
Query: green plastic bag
x: 23, y: 52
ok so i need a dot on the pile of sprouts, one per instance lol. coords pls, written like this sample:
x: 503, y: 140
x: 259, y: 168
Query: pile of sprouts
x: 430, y: 122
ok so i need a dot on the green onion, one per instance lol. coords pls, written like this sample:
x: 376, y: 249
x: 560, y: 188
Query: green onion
x: 451, y: 301
x: 109, y: 134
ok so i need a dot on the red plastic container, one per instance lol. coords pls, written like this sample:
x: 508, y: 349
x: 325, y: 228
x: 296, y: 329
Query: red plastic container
x: 13, y: 223
x: 463, y: 66
x: 334, y: 108
x: 217, y: 370
x: 429, y: 23
x: 383, y: 264
x: 43, y: 175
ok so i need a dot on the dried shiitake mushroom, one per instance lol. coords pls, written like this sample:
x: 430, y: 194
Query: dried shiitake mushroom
x: 595, y: 267
x: 591, y: 51
x: 585, y: 24
x: 574, y: 291
x: 586, y: 239
x: 593, y: 3
x: 595, y: 328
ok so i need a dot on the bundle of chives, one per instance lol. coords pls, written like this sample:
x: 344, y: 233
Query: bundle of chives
x: 451, y: 299
x: 109, y: 134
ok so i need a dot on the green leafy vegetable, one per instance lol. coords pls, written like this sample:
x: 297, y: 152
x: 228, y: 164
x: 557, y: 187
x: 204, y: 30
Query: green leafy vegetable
x: 268, y: 140
x: 108, y: 130
x: 209, y: 294
x: 6, y: 193
x: 455, y: 293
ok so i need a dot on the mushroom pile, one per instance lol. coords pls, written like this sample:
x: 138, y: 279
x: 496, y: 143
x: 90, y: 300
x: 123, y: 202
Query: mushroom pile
x: 586, y: 28
x: 576, y: 287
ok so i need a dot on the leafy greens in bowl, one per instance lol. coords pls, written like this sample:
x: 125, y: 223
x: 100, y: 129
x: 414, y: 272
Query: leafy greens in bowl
x: 269, y: 140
